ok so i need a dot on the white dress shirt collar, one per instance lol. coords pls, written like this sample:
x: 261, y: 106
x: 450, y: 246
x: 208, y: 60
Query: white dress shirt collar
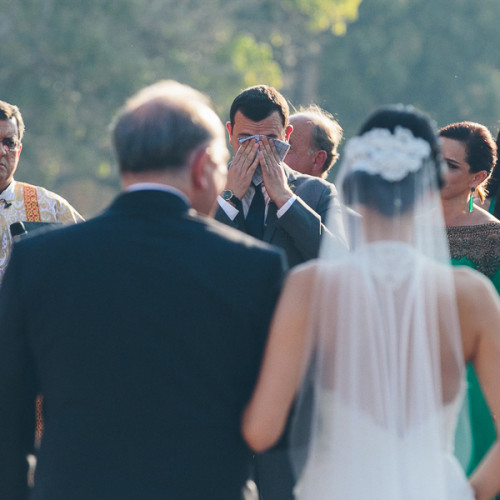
x: 8, y: 192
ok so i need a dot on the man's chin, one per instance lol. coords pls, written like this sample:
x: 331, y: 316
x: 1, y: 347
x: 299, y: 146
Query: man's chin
x: 4, y: 182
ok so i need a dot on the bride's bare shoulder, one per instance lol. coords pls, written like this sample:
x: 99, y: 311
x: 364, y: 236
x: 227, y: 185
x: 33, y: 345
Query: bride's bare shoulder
x: 301, y: 280
x: 302, y: 276
x: 306, y: 273
x: 469, y: 282
x: 309, y: 267
x: 477, y: 298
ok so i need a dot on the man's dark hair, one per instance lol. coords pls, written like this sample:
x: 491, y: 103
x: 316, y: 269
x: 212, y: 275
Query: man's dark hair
x: 259, y: 102
x: 9, y: 112
x: 160, y: 127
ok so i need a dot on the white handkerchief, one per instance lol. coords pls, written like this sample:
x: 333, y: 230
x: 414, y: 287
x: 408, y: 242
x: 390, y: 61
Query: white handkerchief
x: 282, y: 147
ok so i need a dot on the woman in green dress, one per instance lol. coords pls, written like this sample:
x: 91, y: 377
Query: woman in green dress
x: 470, y: 153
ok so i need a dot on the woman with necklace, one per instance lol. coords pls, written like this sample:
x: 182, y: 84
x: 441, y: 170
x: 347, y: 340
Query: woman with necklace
x: 470, y: 153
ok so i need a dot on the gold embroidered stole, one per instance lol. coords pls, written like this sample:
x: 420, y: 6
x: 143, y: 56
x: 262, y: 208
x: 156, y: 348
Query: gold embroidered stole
x: 31, y: 203
x: 33, y: 215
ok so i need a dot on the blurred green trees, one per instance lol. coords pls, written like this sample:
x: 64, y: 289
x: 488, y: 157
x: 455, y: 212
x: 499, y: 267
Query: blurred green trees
x: 70, y: 65
x: 439, y: 56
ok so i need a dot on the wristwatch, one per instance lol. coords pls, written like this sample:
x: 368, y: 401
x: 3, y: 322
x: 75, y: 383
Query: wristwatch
x: 228, y: 195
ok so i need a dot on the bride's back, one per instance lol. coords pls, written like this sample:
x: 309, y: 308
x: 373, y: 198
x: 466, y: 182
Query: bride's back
x: 391, y: 378
x: 392, y: 352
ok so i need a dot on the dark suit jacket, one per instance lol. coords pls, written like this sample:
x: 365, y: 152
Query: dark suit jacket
x: 143, y: 329
x: 299, y: 231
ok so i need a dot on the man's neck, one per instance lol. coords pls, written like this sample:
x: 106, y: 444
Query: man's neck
x: 5, y: 187
x: 152, y: 177
x: 155, y: 186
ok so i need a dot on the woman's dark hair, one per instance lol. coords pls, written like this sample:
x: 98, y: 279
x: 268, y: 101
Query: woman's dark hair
x: 493, y: 185
x: 387, y: 197
x: 480, y: 148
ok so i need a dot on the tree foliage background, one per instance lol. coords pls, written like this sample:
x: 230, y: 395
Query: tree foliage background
x: 70, y: 65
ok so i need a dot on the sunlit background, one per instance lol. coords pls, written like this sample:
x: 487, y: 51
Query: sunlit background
x: 69, y: 65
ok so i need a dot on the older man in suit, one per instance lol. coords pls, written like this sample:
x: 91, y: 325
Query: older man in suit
x: 314, y: 141
x: 140, y: 328
x: 263, y: 196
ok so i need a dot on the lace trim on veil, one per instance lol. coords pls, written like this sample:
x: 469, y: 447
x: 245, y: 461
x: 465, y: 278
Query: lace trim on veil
x: 389, y: 262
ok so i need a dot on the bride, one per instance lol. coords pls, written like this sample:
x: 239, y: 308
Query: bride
x: 369, y: 347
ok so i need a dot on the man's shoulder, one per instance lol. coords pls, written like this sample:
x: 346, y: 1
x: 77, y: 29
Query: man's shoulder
x: 51, y: 195
x: 203, y: 229
x: 302, y: 181
x: 40, y: 190
x: 49, y: 202
x: 315, y: 192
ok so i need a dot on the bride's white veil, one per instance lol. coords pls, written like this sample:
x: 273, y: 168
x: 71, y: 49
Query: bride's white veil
x: 376, y: 413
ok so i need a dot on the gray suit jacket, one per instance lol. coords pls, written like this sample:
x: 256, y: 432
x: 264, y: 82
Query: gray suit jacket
x: 299, y: 231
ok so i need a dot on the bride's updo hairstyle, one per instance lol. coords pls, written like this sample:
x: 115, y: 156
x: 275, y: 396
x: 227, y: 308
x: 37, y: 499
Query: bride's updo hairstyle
x: 384, y: 162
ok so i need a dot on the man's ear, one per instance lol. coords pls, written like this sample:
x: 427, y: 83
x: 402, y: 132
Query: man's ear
x: 288, y: 131
x: 229, y: 129
x: 318, y: 162
x: 199, y: 169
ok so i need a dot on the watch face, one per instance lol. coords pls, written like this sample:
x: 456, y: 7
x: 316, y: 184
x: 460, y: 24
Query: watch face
x: 227, y: 194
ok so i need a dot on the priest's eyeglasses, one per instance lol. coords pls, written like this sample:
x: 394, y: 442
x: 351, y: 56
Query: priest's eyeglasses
x: 9, y: 144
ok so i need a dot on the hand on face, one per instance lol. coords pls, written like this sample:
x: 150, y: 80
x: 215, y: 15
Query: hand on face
x: 249, y: 153
x: 243, y: 167
x: 273, y: 175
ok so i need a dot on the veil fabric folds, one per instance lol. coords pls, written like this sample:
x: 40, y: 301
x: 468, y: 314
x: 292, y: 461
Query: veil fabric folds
x: 376, y: 414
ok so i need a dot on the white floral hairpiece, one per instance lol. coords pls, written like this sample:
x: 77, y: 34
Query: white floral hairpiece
x: 392, y: 156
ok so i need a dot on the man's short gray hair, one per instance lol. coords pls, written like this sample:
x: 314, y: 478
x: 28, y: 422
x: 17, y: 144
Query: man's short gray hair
x: 161, y: 125
x: 326, y: 132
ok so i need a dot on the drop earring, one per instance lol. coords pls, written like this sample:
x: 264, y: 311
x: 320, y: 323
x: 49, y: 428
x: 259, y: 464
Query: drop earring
x: 471, y: 199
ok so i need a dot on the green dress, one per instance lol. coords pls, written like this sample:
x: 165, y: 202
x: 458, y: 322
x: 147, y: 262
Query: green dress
x: 477, y: 247
x: 491, y: 208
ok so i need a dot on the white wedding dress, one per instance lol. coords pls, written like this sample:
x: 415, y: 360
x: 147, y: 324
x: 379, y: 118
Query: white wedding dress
x: 329, y: 469
x: 384, y: 381
x: 382, y: 447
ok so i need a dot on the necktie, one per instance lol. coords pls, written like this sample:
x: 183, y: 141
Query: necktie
x: 255, y: 218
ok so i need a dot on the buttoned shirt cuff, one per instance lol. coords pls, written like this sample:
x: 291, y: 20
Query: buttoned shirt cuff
x: 229, y: 209
x: 286, y: 206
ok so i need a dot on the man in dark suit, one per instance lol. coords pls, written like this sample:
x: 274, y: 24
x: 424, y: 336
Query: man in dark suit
x: 141, y: 328
x: 293, y: 207
x: 266, y: 198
